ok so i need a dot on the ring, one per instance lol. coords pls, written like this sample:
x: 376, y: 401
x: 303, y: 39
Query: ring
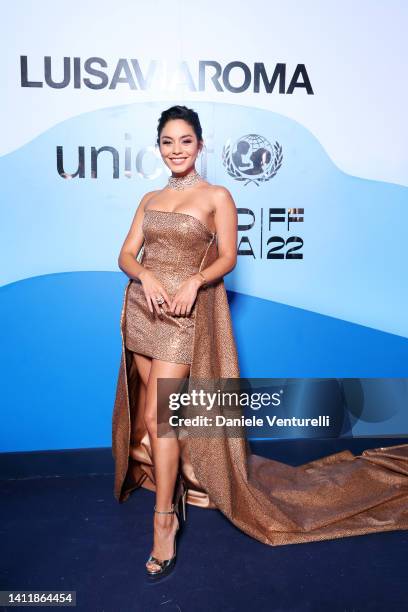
x: 160, y: 300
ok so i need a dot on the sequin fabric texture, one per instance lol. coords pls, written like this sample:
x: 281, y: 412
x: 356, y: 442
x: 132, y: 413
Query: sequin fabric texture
x: 330, y: 497
x: 175, y: 244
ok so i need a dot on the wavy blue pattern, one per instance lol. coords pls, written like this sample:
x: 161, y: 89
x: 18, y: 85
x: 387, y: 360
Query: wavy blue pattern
x: 61, y: 352
x: 354, y: 229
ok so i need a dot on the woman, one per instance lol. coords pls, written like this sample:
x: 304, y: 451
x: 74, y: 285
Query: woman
x: 176, y: 324
x: 180, y: 222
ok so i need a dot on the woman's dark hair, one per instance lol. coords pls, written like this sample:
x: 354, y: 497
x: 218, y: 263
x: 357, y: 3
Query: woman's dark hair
x: 180, y: 112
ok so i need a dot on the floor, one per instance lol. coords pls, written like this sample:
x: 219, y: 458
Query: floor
x: 67, y: 532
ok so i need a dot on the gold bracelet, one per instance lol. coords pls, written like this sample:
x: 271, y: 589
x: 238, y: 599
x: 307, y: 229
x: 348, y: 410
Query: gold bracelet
x: 203, y: 277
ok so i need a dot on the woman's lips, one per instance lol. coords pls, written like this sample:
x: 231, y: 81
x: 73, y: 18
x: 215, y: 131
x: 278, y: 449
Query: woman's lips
x: 179, y: 160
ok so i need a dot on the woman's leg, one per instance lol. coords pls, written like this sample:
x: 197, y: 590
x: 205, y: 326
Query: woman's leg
x: 166, y: 454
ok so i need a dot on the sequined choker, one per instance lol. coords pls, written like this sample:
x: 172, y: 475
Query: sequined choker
x: 183, y: 182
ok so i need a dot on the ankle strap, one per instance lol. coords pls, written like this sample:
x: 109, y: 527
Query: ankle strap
x: 164, y: 511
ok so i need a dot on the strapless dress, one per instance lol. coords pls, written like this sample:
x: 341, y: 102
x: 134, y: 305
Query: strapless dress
x: 332, y: 497
x: 174, y: 247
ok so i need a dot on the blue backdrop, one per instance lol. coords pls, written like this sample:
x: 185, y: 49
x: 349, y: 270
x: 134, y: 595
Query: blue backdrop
x: 319, y: 290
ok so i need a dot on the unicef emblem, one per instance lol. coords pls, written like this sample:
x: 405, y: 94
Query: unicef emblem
x: 252, y: 159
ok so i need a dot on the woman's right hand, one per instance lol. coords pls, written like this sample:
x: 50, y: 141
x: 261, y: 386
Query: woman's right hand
x: 153, y: 289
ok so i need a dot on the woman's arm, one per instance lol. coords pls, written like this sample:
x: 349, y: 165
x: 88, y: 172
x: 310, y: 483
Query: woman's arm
x: 133, y: 243
x: 129, y: 265
x: 226, y: 223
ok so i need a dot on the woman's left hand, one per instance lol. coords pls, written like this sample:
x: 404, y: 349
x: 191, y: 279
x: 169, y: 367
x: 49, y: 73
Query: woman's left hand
x: 185, y: 296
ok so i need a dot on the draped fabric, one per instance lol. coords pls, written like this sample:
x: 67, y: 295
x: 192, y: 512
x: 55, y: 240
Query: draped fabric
x: 336, y: 496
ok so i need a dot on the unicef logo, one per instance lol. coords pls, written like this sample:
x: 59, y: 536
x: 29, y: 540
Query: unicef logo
x: 252, y: 159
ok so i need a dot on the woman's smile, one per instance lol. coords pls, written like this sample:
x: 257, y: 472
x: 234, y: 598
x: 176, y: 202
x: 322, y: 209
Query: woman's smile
x: 178, y: 161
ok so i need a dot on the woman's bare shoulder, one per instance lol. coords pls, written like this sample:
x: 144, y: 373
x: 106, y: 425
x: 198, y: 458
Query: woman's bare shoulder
x: 149, y: 195
x: 221, y: 197
x: 220, y: 190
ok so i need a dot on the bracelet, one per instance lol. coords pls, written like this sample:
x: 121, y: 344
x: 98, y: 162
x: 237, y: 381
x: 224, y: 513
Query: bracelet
x: 203, y: 277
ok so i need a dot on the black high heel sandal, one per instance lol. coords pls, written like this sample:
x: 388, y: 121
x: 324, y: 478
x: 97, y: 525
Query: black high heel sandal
x: 179, y: 508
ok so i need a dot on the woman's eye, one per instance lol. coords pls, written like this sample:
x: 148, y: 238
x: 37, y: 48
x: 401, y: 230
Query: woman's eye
x: 184, y: 142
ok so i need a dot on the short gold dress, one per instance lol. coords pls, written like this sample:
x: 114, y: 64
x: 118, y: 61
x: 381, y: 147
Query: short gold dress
x: 332, y: 497
x: 175, y: 244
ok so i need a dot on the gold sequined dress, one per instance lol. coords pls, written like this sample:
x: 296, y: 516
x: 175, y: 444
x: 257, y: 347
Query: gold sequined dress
x: 166, y: 337
x: 336, y: 496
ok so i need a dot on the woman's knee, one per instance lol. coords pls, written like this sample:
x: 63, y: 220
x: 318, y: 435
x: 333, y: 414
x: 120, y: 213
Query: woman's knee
x: 150, y: 419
